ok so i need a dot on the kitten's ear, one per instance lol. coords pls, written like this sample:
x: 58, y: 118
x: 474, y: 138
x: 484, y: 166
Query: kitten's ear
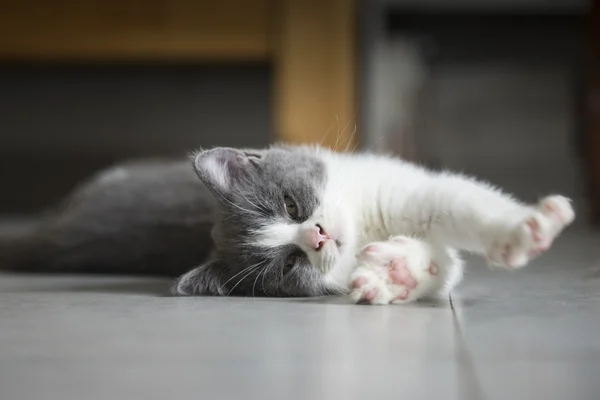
x: 221, y: 168
x: 203, y: 280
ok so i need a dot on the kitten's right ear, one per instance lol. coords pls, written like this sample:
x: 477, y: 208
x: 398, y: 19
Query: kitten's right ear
x: 203, y: 280
x: 222, y: 168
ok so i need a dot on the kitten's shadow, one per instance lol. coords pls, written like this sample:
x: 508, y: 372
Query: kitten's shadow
x: 153, y: 287
x: 160, y: 287
x: 345, y: 300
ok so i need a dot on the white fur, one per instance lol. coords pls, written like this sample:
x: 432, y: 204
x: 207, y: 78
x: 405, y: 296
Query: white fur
x: 277, y: 234
x: 112, y: 175
x: 369, y: 199
x: 215, y: 170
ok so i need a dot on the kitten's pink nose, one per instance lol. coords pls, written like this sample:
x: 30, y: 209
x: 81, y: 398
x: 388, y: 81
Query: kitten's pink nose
x: 316, y: 237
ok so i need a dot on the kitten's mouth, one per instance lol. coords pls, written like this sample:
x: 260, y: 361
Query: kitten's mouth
x: 338, y: 244
x: 322, y: 233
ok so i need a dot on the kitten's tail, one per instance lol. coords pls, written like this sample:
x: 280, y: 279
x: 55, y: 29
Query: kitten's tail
x: 29, y: 246
x: 46, y: 246
x: 49, y: 247
x: 150, y: 219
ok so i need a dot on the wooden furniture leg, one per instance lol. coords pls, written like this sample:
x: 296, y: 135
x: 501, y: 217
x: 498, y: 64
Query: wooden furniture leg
x: 315, y: 72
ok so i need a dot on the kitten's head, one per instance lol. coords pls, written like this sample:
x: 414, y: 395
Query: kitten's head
x: 285, y: 229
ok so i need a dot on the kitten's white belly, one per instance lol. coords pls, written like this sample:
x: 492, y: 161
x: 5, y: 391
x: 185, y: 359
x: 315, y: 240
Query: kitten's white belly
x: 371, y: 229
x: 382, y: 207
x: 374, y: 191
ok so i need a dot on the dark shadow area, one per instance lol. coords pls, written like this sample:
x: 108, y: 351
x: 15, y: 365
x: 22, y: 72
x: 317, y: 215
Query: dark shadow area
x: 61, y: 123
x: 95, y: 284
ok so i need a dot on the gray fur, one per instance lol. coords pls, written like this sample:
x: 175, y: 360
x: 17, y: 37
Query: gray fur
x: 157, y: 218
x: 140, y: 218
x: 252, y: 196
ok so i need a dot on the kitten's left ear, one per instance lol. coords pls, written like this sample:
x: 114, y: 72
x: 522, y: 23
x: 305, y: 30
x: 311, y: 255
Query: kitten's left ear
x: 222, y: 168
x: 203, y: 280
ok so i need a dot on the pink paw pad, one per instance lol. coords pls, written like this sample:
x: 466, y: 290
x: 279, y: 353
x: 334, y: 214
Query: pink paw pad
x: 370, y: 295
x: 551, y: 209
x: 359, y: 282
x: 400, y: 274
x: 535, y: 229
x: 537, y: 251
x: 542, y: 243
x: 433, y: 269
x: 403, y: 295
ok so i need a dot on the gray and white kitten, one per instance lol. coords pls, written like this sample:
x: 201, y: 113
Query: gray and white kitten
x: 288, y: 221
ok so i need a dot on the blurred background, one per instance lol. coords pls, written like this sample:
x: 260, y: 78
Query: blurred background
x: 502, y: 89
x: 507, y: 90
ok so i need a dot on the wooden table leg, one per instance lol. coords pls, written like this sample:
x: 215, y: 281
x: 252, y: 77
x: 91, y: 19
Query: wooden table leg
x: 315, y: 72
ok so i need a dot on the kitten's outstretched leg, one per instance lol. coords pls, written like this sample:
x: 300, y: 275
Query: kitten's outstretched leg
x: 471, y: 216
x: 402, y: 270
x: 514, y: 245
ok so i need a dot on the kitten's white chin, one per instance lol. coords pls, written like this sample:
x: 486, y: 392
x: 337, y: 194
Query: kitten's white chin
x: 338, y: 271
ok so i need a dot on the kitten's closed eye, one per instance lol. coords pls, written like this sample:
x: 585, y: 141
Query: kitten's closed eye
x: 290, y: 262
x: 290, y: 207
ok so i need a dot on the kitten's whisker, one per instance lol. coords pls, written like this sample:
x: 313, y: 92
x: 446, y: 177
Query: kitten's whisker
x: 242, y: 278
x: 267, y: 269
x: 337, y: 138
x: 237, y: 206
x: 340, y: 134
x: 350, y: 138
x: 256, y: 279
x: 241, y: 272
x: 265, y: 205
x: 337, y: 120
x: 251, y: 203
x: 326, y: 134
x: 379, y: 139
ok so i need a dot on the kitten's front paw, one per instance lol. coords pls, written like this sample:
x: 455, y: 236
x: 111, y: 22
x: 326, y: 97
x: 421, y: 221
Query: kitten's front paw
x: 397, y: 271
x: 534, y: 235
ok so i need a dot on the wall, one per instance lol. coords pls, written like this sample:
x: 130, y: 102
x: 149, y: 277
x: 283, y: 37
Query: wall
x: 61, y: 123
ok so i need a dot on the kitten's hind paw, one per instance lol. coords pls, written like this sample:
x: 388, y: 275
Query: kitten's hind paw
x: 397, y: 271
x: 532, y: 236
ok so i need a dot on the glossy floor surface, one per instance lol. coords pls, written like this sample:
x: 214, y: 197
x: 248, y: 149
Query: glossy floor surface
x: 511, y: 335
x: 525, y: 334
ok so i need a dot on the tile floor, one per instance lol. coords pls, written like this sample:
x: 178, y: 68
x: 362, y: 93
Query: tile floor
x: 511, y: 335
x: 518, y: 335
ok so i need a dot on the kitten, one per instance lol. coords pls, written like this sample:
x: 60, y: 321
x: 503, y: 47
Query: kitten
x: 290, y: 221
